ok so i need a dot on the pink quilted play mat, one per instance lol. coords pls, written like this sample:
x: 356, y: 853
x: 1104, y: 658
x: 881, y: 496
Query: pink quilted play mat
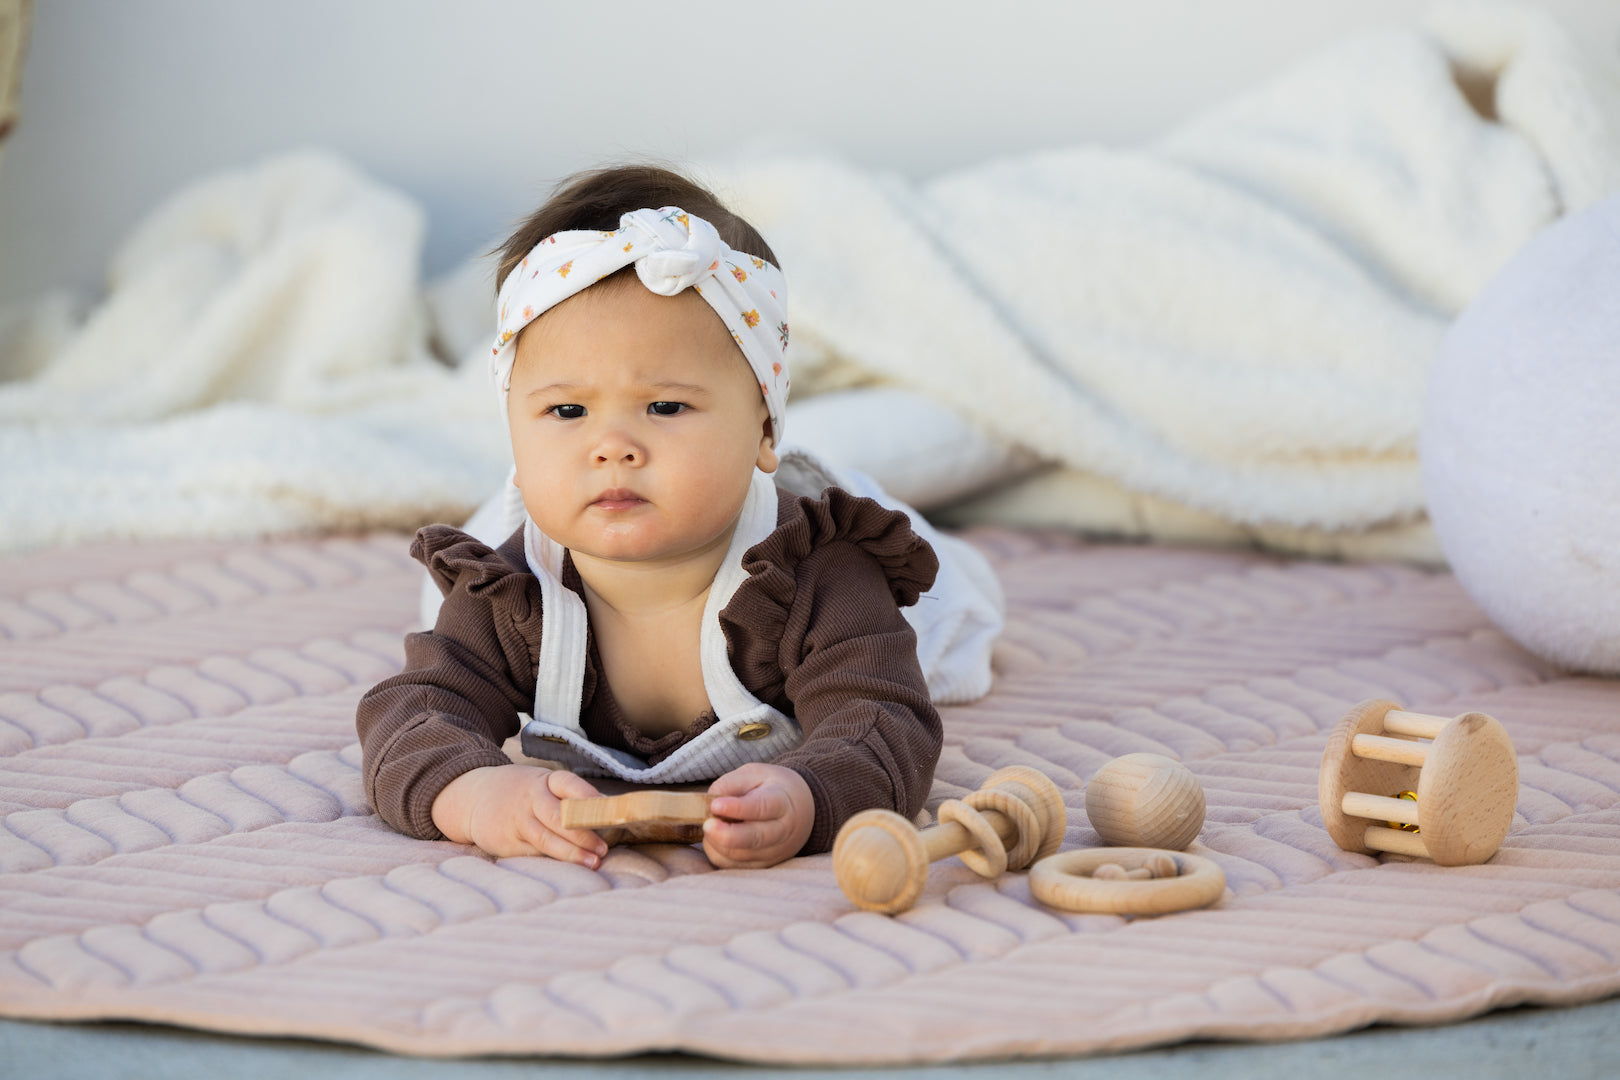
x: 186, y: 840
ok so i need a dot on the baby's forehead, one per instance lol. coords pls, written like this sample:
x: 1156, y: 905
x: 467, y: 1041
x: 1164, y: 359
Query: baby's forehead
x: 619, y: 321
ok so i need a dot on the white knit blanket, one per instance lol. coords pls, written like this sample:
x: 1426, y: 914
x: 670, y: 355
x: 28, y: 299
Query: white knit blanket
x: 259, y: 367
x: 1222, y: 334
x: 1236, y: 320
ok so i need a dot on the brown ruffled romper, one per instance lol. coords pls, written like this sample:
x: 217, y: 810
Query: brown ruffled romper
x: 815, y: 631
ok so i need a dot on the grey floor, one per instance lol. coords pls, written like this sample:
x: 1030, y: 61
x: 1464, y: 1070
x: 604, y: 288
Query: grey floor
x: 1545, y: 1044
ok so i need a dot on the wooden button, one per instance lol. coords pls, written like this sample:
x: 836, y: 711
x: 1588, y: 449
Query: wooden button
x: 750, y: 732
x: 553, y: 738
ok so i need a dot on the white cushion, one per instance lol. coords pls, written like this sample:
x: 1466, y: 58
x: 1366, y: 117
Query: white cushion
x: 1521, y: 444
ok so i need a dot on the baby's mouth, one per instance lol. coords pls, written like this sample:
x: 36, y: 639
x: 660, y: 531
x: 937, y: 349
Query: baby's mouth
x: 617, y: 499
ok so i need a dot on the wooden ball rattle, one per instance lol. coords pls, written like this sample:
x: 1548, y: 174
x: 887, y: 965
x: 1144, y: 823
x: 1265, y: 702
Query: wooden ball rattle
x: 1463, y: 770
x: 1126, y: 881
x: 1145, y: 800
x: 881, y: 860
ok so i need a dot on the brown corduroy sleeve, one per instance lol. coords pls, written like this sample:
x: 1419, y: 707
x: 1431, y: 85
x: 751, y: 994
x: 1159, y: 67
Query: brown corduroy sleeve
x: 830, y: 583
x: 462, y: 687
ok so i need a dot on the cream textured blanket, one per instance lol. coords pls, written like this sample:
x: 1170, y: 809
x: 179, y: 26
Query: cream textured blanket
x: 260, y: 366
x: 185, y: 838
x: 1222, y: 335
x: 1228, y: 330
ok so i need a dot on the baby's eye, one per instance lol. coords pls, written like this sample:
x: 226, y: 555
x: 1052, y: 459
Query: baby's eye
x: 567, y: 412
x: 667, y: 408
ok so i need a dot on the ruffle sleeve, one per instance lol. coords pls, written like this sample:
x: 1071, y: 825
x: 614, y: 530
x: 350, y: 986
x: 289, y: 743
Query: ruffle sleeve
x: 808, y: 524
x: 451, y: 557
x: 756, y: 618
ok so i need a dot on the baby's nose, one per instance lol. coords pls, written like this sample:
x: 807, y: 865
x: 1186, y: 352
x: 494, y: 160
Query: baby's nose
x: 618, y: 448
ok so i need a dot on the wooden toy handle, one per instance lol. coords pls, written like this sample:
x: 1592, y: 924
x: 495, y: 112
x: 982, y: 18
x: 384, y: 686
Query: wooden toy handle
x: 952, y: 837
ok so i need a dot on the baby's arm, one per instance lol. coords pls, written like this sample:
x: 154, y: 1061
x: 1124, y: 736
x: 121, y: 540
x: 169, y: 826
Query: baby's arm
x: 431, y: 736
x: 849, y: 657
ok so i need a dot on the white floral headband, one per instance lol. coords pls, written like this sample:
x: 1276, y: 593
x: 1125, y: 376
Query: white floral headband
x: 672, y: 250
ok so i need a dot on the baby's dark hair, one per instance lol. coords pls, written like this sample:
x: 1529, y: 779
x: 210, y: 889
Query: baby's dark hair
x: 597, y: 199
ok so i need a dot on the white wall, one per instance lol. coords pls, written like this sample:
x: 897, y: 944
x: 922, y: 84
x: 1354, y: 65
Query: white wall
x: 475, y: 106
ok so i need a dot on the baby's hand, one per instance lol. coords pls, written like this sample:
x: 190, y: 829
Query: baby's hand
x: 761, y: 815
x: 516, y: 810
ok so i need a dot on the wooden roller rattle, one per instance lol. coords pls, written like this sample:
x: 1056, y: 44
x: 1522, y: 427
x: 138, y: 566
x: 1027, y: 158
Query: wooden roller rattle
x: 1017, y: 817
x: 1463, y: 771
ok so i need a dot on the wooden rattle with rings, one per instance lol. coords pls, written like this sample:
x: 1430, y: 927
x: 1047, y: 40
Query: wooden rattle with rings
x: 881, y: 860
x: 1459, y: 778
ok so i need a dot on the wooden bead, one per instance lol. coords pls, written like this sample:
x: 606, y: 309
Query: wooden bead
x: 880, y: 861
x: 1162, y: 865
x: 1145, y: 800
x: 1466, y: 781
x: 1073, y: 881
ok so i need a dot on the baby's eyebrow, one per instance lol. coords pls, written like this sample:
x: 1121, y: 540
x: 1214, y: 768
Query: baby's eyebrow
x: 678, y: 387
x: 553, y: 388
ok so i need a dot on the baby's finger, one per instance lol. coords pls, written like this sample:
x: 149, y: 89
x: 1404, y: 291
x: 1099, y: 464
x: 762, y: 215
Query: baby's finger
x: 567, y: 785
x: 561, y: 845
x: 739, y: 781
x: 547, y: 814
x: 761, y: 804
x: 739, y: 838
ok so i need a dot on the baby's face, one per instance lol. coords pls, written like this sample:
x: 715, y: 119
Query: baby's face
x: 636, y: 424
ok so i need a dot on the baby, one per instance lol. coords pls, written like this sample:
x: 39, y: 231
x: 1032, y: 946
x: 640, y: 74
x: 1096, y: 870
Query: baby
x: 665, y: 612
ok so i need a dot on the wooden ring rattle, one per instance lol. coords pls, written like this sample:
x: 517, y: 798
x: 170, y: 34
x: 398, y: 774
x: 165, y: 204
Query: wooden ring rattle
x: 1464, y: 772
x: 881, y: 860
x: 1068, y: 881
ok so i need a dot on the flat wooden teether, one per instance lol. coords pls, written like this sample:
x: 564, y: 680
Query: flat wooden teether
x: 637, y: 808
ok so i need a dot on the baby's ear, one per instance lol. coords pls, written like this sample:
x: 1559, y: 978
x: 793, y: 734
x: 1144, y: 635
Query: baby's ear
x: 767, y: 460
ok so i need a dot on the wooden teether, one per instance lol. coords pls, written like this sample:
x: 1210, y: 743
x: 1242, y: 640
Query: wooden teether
x: 1145, y: 800
x: 650, y: 807
x: 1144, y: 881
x: 1017, y: 816
x: 1463, y: 770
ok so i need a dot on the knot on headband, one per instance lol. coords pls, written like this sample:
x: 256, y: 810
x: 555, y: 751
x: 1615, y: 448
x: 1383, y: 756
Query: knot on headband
x: 681, y: 257
x: 672, y: 251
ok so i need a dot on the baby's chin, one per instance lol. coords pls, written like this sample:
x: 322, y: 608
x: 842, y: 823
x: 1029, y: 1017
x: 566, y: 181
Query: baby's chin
x: 642, y: 543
